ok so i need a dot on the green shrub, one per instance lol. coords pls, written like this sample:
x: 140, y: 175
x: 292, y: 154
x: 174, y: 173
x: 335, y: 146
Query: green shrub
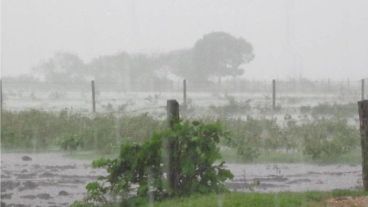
x: 175, y: 162
x: 326, y: 139
x: 71, y: 142
x: 245, y: 137
x: 251, y: 136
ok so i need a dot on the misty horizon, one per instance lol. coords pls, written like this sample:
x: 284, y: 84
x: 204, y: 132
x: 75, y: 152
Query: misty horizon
x: 309, y: 39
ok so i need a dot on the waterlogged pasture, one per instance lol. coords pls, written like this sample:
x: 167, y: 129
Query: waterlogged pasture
x: 319, y: 139
x: 309, y: 143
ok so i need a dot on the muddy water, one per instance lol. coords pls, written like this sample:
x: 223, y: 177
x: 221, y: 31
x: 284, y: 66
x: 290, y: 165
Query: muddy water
x: 294, y: 177
x: 47, y: 179
x: 52, y: 179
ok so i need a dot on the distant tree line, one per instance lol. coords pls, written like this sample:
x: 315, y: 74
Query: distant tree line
x: 212, y: 57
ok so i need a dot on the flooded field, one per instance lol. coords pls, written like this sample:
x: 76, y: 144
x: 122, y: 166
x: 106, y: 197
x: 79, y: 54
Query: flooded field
x: 47, y: 179
x: 169, y: 90
x: 54, y: 179
x: 294, y: 177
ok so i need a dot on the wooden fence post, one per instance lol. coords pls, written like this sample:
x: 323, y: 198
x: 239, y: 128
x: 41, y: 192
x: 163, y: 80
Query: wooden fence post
x: 172, y: 145
x: 1, y: 95
x: 185, y: 94
x: 93, y: 96
x: 273, y: 94
x: 363, y: 86
x: 172, y: 108
x: 363, y: 117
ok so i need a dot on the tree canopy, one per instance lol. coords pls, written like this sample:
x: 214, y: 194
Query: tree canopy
x: 62, y: 67
x: 220, y: 54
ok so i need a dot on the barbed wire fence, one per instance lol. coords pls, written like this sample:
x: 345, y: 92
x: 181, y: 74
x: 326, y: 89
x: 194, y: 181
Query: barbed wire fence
x: 109, y: 97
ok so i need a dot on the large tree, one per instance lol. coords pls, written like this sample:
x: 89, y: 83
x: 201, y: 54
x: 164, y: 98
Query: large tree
x: 109, y: 68
x: 219, y: 54
x: 180, y: 62
x: 62, y: 67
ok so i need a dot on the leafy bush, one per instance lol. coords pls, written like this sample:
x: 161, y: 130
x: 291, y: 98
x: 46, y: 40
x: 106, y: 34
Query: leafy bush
x: 71, y: 143
x: 175, y: 162
x: 245, y: 137
x: 251, y: 136
x: 326, y: 139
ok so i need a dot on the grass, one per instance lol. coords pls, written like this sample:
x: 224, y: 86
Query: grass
x: 235, y: 199
x: 241, y: 199
x: 285, y: 199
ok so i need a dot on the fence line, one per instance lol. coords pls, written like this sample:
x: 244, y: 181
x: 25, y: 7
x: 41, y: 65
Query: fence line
x: 349, y: 90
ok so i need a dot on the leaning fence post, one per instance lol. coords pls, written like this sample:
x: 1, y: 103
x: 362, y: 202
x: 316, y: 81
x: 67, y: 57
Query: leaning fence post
x: 93, y: 96
x: 363, y: 89
x: 273, y: 94
x: 363, y: 117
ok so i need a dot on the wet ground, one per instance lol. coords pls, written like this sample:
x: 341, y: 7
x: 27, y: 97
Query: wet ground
x: 348, y: 201
x: 294, y: 177
x: 53, y: 179
x: 47, y: 179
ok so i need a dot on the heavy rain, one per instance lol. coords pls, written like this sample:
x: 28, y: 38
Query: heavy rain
x: 185, y: 103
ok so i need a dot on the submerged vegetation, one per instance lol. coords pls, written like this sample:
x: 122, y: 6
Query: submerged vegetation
x: 40, y: 130
x: 325, y: 109
x: 319, y: 139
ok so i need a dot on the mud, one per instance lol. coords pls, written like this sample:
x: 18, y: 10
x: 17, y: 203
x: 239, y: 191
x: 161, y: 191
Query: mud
x: 47, y: 179
x: 294, y: 177
x: 54, y: 179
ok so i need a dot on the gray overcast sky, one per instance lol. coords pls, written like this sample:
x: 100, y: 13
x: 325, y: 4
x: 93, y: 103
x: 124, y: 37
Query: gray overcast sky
x: 310, y: 38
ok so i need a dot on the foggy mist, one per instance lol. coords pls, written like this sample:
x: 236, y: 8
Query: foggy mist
x: 312, y: 39
x: 181, y: 103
